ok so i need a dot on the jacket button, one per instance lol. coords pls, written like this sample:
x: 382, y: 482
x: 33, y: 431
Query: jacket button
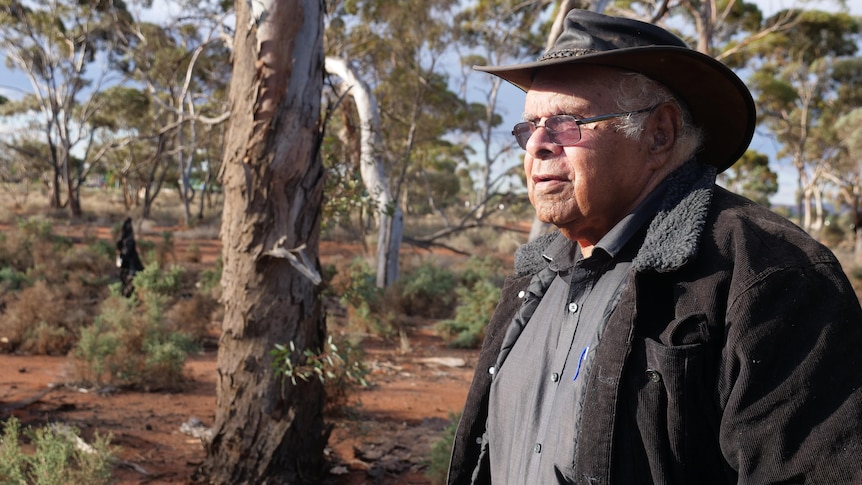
x: 573, y: 307
x: 522, y: 294
x: 653, y: 375
x: 491, y: 370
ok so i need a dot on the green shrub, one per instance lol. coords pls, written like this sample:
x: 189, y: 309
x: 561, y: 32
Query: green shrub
x: 12, y: 279
x: 481, y: 269
x: 57, y: 458
x: 104, y: 248
x: 210, y: 279
x: 37, y: 228
x: 155, y: 280
x: 475, y: 306
x: 428, y: 291
x: 131, y: 344
x: 364, y: 300
x: 441, y: 451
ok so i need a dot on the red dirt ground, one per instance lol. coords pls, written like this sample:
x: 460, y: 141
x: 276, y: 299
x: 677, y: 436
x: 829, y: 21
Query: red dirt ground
x: 385, y: 440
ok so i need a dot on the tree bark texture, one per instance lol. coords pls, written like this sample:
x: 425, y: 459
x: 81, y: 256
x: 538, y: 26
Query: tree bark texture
x: 267, y: 430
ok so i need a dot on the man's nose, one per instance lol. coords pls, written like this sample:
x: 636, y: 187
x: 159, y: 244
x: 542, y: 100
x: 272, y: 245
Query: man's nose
x: 539, y: 145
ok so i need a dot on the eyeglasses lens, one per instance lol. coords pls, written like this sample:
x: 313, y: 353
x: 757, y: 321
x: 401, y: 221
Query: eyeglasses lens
x: 563, y: 130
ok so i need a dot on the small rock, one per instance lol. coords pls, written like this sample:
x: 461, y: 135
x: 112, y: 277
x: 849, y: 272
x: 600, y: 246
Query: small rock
x: 444, y: 361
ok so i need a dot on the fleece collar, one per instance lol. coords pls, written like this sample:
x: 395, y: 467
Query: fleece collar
x: 673, y: 235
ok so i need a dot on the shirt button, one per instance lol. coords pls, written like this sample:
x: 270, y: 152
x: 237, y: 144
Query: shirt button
x: 522, y: 294
x: 653, y: 375
x: 537, y: 448
x: 573, y: 307
x: 555, y: 377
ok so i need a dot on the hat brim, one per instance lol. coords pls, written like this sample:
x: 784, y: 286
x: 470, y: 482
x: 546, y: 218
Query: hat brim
x: 719, y: 101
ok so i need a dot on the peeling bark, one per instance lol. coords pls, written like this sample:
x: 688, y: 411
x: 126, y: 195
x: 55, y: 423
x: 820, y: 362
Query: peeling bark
x: 266, y: 429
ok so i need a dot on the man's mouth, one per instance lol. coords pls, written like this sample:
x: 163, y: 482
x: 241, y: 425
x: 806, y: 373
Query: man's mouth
x: 546, y: 178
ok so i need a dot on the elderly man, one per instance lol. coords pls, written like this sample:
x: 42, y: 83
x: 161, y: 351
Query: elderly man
x: 670, y: 331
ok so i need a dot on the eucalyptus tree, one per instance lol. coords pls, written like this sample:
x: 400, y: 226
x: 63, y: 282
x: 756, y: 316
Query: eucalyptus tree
x: 839, y: 138
x: 393, y: 54
x: 849, y: 129
x: 798, y: 98
x: 269, y: 428
x: 184, y: 69
x: 65, y: 49
x: 133, y: 160
x: 751, y: 177
x: 499, y: 32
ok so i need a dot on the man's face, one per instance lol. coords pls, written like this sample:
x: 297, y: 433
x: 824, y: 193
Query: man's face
x: 587, y: 188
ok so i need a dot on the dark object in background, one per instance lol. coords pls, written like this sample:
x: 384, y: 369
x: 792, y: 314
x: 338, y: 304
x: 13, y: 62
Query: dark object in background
x: 127, y: 259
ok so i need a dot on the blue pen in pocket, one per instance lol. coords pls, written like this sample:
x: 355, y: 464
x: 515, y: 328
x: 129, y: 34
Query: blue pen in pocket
x: 581, y: 360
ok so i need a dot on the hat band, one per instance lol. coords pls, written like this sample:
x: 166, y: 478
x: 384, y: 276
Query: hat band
x: 567, y: 53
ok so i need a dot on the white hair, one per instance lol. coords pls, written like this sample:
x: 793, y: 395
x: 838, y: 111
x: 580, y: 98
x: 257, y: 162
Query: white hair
x: 634, y: 91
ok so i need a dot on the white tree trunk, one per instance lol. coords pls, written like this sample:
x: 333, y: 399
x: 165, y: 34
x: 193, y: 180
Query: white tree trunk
x: 373, y: 172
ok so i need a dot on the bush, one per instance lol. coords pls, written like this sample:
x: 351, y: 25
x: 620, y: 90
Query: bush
x: 192, y: 316
x: 358, y: 292
x: 34, y: 322
x: 475, y: 307
x: 441, y: 451
x: 130, y: 344
x: 58, y: 457
x: 481, y: 269
x: 153, y: 279
x: 428, y: 291
x: 210, y: 279
x: 48, y: 287
x: 12, y: 279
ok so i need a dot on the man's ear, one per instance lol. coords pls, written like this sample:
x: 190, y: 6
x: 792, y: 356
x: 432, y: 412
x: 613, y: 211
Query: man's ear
x: 663, y: 129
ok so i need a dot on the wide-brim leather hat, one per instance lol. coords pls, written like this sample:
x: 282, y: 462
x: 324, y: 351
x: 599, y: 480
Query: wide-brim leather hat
x: 718, y: 100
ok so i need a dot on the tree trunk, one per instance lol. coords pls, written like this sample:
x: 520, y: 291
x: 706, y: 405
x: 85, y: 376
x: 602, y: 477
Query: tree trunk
x: 373, y: 172
x: 266, y: 429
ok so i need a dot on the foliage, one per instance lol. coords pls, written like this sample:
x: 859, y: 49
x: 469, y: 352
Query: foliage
x: 57, y: 458
x: 12, y: 279
x: 478, y: 292
x: 48, y: 287
x: 55, y: 45
x: 338, y: 367
x: 803, y: 82
x: 358, y: 292
x: 155, y: 280
x: 475, y: 307
x: 130, y: 343
x: 751, y: 177
x: 441, y: 452
x: 427, y: 291
x: 481, y: 269
x: 210, y: 278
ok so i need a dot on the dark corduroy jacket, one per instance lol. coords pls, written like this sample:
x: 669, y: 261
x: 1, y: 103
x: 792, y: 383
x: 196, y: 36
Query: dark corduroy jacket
x: 733, y: 355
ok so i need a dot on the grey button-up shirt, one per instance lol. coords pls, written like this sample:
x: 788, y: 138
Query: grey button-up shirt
x: 536, y: 397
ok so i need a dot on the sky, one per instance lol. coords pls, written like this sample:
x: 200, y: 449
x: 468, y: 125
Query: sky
x: 14, y: 84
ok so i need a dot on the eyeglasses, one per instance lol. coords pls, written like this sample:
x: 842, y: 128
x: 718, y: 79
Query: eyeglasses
x: 563, y: 130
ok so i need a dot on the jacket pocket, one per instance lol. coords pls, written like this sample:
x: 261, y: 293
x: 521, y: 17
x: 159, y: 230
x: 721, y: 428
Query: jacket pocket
x: 677, y: 413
